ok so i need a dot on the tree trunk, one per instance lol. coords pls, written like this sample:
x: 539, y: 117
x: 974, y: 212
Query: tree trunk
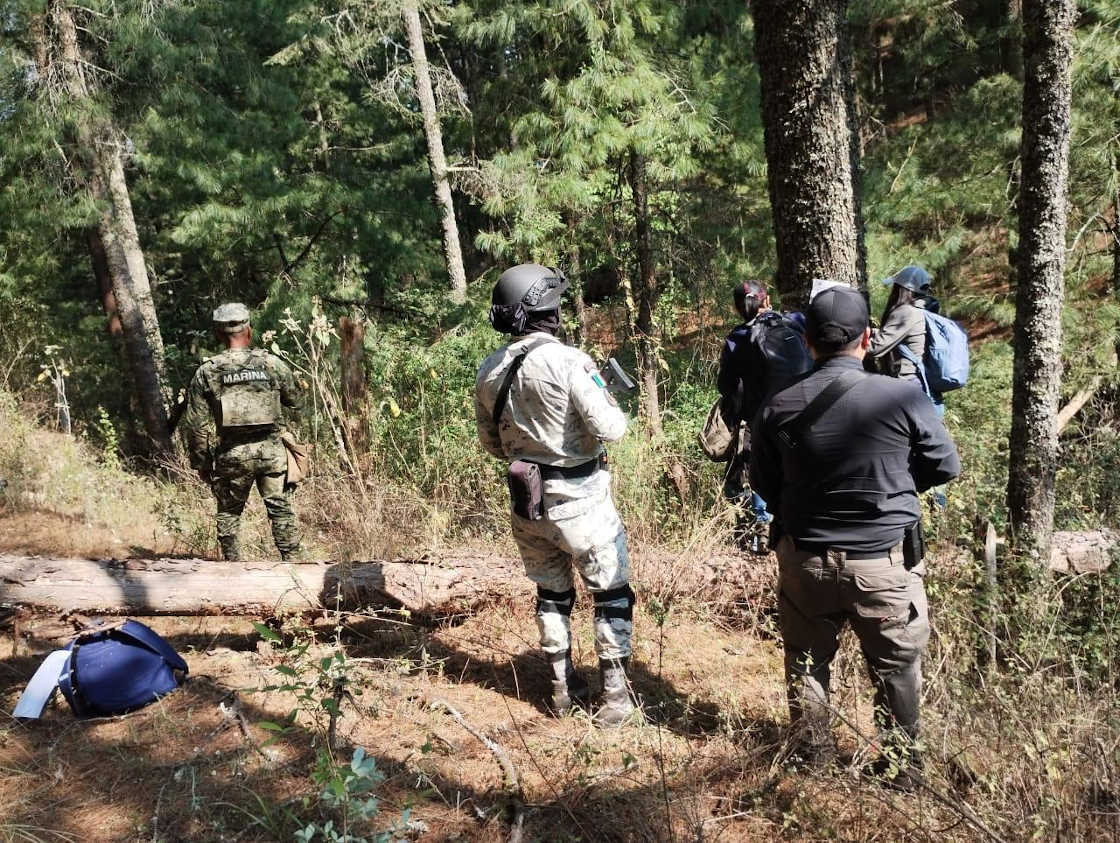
x: 351, y: 335
x: 1116, y: 242
x: 647, y: 295
x: 437, y: 163
x: 812, y: 146
x: 205, y: 587
x: 99, y: 149
x: 1048, y: 55
x: 576, y: 276
x: 100, y: 263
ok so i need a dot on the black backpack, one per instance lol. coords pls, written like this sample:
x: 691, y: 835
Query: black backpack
x: 779, y: 350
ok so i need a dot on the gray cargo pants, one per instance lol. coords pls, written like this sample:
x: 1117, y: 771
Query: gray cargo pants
x: 887, y: 608
x: 582, y: 531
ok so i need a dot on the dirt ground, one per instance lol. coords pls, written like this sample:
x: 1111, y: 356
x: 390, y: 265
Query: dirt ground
x: 45, y: 533
x: 207, y: 762
x: 199, y: 766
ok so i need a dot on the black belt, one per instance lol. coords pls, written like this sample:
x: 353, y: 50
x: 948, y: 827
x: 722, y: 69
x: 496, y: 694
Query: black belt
x: 575, y: 472
x: 822, y: 550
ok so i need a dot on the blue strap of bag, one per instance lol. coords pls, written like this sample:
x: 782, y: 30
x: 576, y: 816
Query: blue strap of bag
x: 143, y: 635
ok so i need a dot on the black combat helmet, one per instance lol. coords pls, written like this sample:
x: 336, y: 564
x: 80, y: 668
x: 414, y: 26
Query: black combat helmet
x: 912, y: 278
x: 524, y: 289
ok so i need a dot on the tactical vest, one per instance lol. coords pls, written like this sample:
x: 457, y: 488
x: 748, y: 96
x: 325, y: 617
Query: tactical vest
x: 248, y: 396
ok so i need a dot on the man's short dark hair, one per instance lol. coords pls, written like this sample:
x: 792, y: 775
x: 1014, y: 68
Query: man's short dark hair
x: 831, y: 349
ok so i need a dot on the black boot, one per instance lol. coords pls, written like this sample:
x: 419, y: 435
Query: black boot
x: 569, y: 688
x: 901, y: 771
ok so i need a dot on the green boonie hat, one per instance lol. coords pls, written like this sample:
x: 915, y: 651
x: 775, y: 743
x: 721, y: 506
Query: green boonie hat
x: 231, y: 317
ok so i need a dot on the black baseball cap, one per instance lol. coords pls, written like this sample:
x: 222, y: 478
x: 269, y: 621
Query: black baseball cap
x: 836, y: 316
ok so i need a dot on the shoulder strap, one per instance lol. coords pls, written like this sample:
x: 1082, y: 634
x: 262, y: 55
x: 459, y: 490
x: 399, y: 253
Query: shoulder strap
x: 150, y: 639
x: 793, y: 429
x: 919, y: 367
x: 507, y: 381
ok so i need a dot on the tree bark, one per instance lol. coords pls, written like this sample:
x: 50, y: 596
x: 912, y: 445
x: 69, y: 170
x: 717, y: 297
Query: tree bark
x: 575, y: 274
x: 1048, y: 56
x: 437, y: 163
x: 100, y: 263
x: 351, y: 333
x: 205, y: 587
x: 647, y: 295
x: 812, y: 145
x: 99, y: 150
x: 1115, y: 231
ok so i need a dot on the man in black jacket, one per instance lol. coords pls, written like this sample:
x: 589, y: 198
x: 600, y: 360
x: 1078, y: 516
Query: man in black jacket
x: 840, y: 456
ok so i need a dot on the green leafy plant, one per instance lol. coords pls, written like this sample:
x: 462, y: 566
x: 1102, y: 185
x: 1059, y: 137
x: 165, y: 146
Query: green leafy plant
x: 347, y: 790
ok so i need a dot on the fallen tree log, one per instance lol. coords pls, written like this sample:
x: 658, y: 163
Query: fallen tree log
x: 1082, y: 551
x: 205, y: 587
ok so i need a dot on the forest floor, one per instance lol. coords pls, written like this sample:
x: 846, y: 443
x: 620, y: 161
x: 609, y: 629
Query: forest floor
x: 207, y: 763
x: 198, y: 765
x: 219, y: 760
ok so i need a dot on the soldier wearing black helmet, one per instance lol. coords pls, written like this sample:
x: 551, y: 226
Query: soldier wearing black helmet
x: 543, y: 407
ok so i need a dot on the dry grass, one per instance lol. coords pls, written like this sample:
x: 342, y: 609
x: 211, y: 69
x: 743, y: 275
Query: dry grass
x: 1030, y: 751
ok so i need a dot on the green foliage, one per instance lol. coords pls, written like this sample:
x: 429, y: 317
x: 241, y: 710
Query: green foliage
x: 275, y: 156
x: 347, y: 790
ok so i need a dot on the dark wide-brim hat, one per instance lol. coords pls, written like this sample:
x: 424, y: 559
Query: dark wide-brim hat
x: 836, y: 316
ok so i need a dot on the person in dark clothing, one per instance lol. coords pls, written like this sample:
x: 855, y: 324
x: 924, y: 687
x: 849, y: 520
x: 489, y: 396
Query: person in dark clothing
x: 843, y: 481
x: 761, y: 355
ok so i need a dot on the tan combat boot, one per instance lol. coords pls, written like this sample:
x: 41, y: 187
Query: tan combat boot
x: 569, y: 688
x: 617, y: 704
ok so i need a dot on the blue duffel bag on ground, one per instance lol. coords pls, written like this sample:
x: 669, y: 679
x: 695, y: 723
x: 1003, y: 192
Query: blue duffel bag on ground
x: 106, y: 670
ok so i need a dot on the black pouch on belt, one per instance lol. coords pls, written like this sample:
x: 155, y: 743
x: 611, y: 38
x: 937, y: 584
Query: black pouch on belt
x: 526, y: 489
x: 913, y: 545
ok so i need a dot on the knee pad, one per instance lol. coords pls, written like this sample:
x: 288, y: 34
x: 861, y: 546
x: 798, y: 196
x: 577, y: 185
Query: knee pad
x: 602, y: 598
x: 555, y: 602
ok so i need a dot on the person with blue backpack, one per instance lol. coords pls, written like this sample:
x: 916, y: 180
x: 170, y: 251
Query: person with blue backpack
x: 899, y: 343
x: 915, y: 342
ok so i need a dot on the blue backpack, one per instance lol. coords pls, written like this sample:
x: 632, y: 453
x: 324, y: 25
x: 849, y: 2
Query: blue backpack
x: 945, y: 364
x: 119, y: 668
x: 111, y: 669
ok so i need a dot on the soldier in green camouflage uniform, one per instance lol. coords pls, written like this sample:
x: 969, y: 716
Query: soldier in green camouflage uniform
x: 232, y: 426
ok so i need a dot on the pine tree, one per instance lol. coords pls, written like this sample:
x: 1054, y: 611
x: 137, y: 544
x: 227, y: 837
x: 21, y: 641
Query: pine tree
x: 812, y: 146
x: 98, y: 165
x: 1048, y: 57
x: 611, y: 117
x: 437, y: 161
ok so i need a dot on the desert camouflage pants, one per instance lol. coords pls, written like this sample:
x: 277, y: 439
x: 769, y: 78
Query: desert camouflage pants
x: 886, y: 605
x: 582, y: 532
x: 237, y: 468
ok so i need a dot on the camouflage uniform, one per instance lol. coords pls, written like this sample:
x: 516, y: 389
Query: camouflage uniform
x: 232, y: 426
x: 558, y: 413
